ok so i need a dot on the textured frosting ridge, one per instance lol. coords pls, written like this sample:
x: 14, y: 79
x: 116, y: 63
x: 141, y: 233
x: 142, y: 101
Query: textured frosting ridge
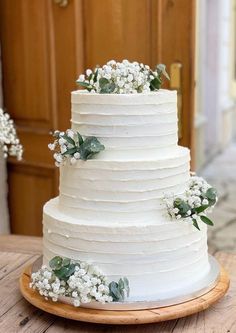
x: 110, y: 209
x: 130, y: 126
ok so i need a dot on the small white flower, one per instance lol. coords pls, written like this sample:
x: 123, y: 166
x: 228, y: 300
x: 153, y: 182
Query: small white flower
x: 205, y: 202
x: 88, y: 72
x: 70, y: 133
x: 76, y: 302
x: 77, y: 155
x: 51, y: 146
x: 81, y: 78
x: 59, y: 158
x: 62, y: 141
x: 63, y: 149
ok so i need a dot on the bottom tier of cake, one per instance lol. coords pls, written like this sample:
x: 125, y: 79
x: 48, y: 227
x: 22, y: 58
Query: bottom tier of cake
x: 157, y: 259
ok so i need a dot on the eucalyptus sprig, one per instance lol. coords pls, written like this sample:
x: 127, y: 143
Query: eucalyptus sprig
x: 123, y: 78
x: 158, y: 75
x: 63, y: 268
x: 194, y: 204
x: 71, y: 145
x: 119, y: 290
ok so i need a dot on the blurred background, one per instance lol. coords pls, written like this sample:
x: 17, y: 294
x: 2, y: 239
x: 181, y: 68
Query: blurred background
x: 46, y: 44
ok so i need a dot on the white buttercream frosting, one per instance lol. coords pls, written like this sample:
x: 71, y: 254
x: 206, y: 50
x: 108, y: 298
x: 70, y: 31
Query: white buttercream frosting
x: 122, y: 191
x: 110, y: 209
x: 130, y: 126
x: 155, y: 258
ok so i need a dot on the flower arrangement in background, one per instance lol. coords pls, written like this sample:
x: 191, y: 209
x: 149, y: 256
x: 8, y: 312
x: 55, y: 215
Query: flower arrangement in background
x: 79, y: 280
x: 9, y: 142
x: 70, y: 145
x: 123, y: 78
x: 194, y: 204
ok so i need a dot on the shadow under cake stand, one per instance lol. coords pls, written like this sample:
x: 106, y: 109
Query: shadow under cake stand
x: 209, y: 291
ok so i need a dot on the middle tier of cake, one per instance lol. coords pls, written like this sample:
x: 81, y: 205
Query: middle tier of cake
x: 97, y: 191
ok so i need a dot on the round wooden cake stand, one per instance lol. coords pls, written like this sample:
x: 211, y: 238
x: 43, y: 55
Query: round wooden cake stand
x: 124, y: 317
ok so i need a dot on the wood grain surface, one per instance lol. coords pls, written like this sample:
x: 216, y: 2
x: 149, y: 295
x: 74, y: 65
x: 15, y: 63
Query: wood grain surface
x: 17, y: 315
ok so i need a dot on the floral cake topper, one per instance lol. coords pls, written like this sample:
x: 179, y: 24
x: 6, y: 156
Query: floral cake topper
x: 123, y: 78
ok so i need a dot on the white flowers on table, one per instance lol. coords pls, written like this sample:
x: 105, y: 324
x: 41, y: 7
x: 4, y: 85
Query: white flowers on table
x: 123, y: 78
x: 47, y: 284
x: 9, y: 142
x: 198, y: 200
x: 85, y: 284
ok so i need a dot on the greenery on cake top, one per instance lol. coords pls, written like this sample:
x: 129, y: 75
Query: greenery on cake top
x: 70, y: 145
x: 123, y: 78
x: 79, y: 280
x: 198, y: 200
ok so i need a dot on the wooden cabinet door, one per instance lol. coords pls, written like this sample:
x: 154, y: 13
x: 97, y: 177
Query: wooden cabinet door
x: 41, y: 57
x: 44, y: 48
x: 149, y: 31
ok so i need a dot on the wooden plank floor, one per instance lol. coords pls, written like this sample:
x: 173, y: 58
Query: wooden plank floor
x: 16, y: 315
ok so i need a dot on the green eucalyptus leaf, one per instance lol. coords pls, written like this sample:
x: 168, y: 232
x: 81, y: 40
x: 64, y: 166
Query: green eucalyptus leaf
x: 196, y: 224
x: 65, y: 272
x: 108, y: 88
x: 121, y: 284
x: 206, y: 220
x: 126, y: 282
x: 182, y: 206
x: 83, y: 84
x: 200, y: 209
x: 177, y: 202
x: 69, y: 139
x: 56, y: 263
x: 114, y: 291
x: 65, y: 262
x: 161, y: 70
x: 81, y: 140
x: 95, y: 76
x: 155, y: 84
x: 70, y: 151
x: 90, y: 147
x: 126, y: 285
x: 103, y: 81
x: 211, y: 194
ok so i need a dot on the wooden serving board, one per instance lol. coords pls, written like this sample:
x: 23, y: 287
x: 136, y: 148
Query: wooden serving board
x: 124, y: 317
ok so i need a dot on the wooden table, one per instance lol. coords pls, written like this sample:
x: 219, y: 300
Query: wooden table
x: 16, y: 315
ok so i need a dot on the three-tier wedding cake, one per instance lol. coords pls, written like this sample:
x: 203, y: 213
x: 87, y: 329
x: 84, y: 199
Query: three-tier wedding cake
x: 111, y: 211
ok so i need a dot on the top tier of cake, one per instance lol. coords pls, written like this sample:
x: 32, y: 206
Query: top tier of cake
x: 133, y: 126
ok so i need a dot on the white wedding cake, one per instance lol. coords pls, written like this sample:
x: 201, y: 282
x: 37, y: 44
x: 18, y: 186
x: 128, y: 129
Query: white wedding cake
x: 110, y: 211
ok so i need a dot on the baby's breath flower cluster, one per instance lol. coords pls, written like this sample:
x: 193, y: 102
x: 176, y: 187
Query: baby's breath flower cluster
x: 70, y: 146
x: 9, y: 142
x: 47, y: 284
x: 123, y: 78
x: 79, y: 280
x: 192, y: 206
